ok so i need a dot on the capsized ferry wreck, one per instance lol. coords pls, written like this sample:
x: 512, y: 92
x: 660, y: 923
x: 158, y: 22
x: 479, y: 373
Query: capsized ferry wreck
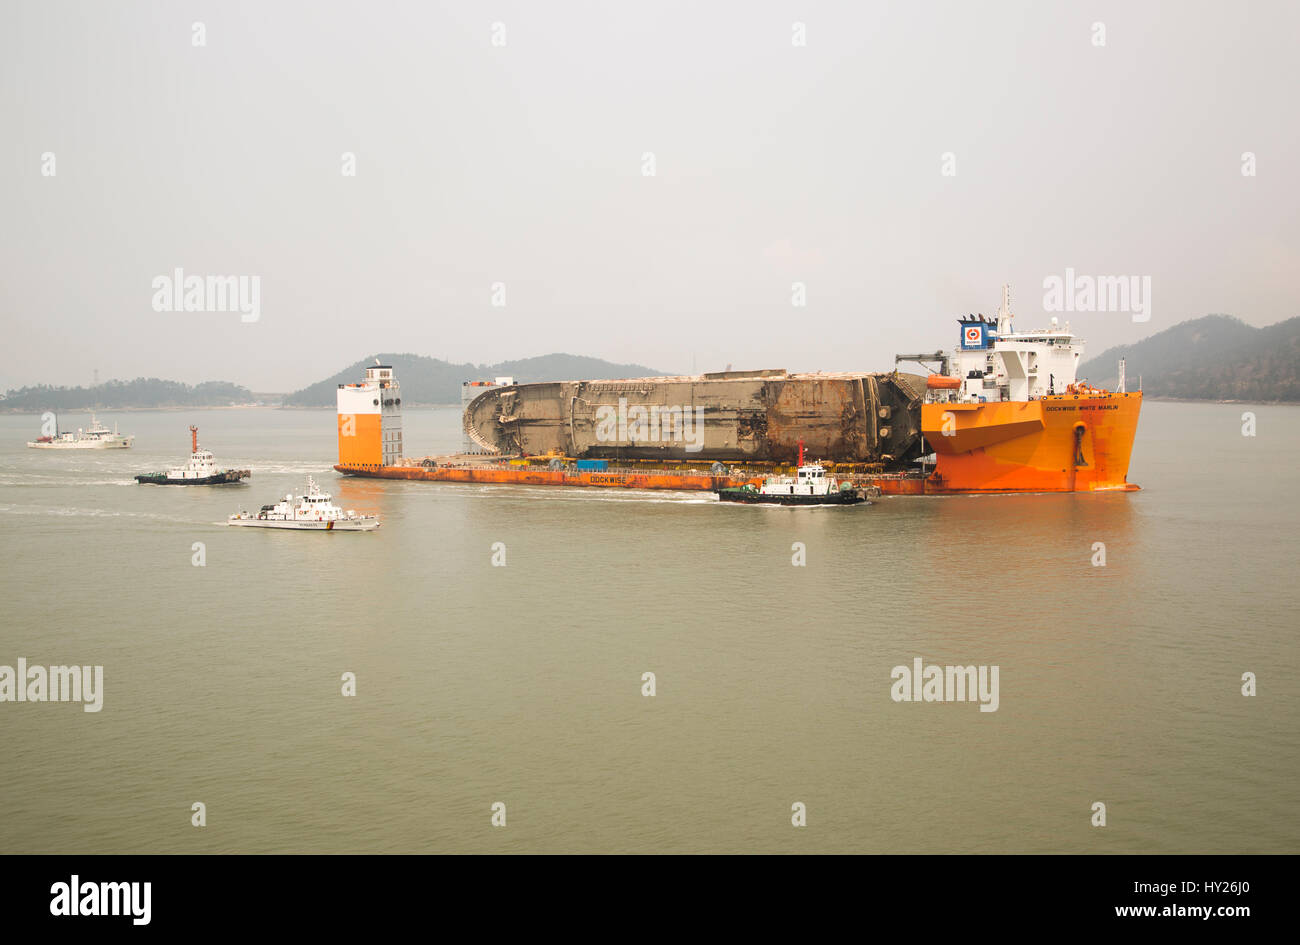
x: 1003, y: 412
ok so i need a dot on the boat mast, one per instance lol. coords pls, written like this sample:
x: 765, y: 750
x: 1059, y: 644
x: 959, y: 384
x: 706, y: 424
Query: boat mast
x: 194, y: 438
x: 1004, y: 312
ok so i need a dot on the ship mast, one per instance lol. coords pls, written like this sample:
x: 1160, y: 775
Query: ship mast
x: 194, y: 438
x: 1004, y: 311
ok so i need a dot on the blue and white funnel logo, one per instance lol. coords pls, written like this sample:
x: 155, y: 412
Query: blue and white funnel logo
x: 972, y: 336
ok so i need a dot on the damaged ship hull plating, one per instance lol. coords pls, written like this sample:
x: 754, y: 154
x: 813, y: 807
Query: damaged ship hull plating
x: 756, y: 416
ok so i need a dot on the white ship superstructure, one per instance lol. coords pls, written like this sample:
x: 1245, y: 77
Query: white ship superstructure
x: 808, y: 480
x: 994, y: 362
x: 200, y: 466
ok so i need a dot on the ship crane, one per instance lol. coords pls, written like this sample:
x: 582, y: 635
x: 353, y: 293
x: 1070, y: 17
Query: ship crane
x: 940, y: 361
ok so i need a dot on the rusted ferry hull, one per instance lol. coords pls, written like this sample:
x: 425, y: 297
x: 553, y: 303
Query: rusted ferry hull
x: 755, y: 416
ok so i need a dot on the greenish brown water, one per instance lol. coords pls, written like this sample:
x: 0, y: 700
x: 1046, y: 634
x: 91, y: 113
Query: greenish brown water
x: 522, y: 684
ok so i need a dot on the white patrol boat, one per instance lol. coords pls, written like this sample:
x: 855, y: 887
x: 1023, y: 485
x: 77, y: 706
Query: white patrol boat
x: 98, y: 437
x: 201, y: 470
x: 313, y: 512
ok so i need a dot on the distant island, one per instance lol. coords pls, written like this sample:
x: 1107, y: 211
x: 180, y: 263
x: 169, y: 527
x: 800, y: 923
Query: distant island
x: 431, y: 381
x: 424, y: 381
x: 141, y: 392
x: 1217, y: 357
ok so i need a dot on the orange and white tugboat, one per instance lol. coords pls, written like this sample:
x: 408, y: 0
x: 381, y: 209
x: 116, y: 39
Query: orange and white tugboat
x: 201, y: 470
x: 1006, y: 413
x: 313, y: 512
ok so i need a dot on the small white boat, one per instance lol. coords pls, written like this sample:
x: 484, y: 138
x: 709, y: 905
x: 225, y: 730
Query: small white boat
x: 98, y: 437
x: 313, y: 512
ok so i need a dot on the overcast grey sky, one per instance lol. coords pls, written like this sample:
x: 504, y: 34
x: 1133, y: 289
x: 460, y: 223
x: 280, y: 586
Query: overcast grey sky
x: 523, y: 164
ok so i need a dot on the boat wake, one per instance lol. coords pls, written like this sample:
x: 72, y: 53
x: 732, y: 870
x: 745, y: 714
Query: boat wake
x: 20, y: 481
x: 71, y: 512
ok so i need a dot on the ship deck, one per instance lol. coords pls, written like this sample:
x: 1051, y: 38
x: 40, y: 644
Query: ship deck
x: 627, y: 474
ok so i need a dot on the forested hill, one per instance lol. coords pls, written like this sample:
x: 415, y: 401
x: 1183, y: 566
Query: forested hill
x: 1212, y: 358
x: 141, y: 392
x: 431, y: 381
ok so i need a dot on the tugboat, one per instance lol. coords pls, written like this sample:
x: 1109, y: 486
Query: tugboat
x: 811, y: 486
x: 199, y: 471
x: 98, y: 437
x: 314, y: 512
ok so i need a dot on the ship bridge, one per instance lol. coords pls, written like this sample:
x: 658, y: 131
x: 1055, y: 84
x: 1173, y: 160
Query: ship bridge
x: 994, y: 362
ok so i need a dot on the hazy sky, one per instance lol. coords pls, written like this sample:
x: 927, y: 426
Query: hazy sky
x: 524, y: 164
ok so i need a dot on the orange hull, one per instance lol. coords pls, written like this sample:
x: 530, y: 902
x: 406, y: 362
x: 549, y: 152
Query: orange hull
x: 1059, y: 443
x: 360, y: 437
x: 540, y: 476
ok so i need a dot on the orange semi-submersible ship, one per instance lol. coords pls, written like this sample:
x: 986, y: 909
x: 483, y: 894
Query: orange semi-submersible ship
x: 1004, y: 412
x: 1007, y: 414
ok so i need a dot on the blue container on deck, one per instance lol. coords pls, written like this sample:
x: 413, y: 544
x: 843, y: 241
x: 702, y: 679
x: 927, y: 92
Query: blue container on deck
x: 593, y: 465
